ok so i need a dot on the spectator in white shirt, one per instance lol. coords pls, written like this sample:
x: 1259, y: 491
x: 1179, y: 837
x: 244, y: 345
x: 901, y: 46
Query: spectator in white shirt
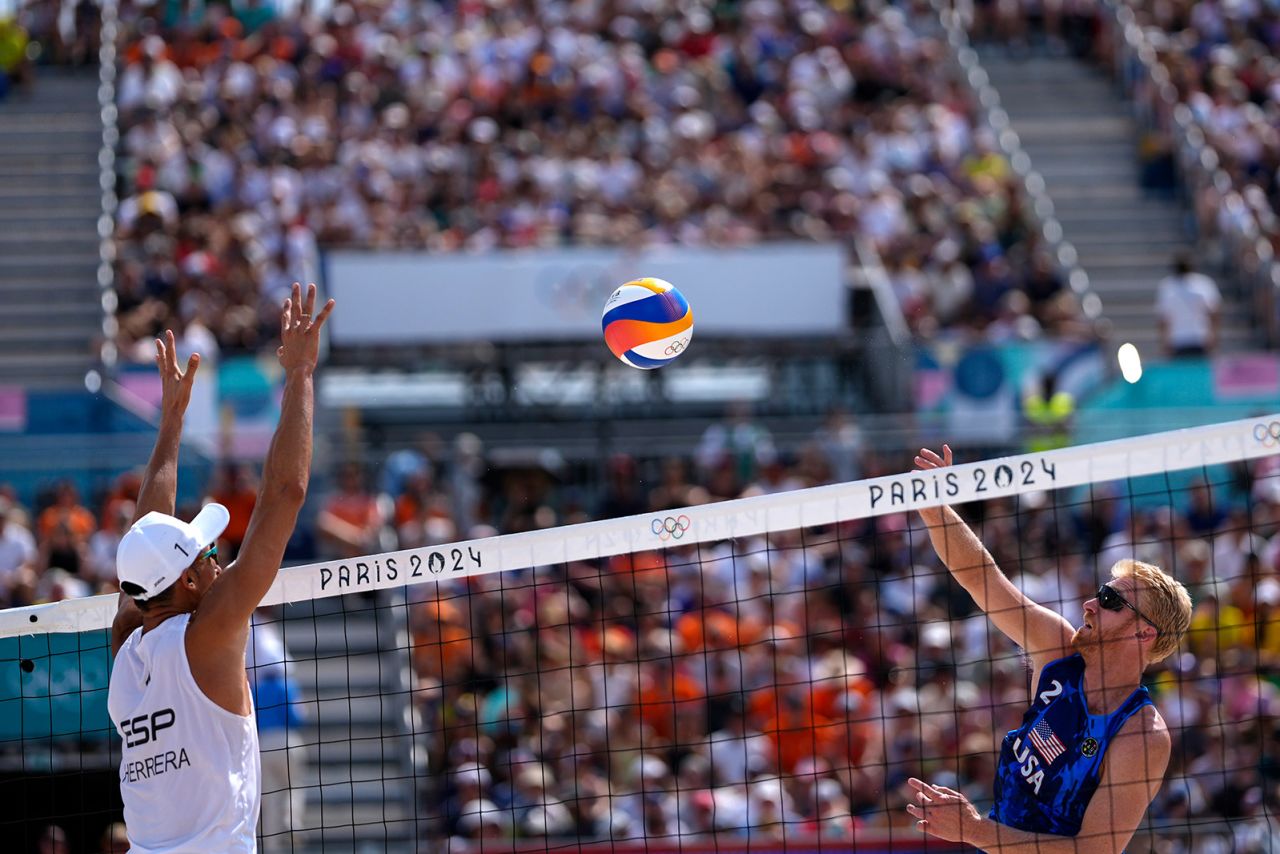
x: 1188, y: 305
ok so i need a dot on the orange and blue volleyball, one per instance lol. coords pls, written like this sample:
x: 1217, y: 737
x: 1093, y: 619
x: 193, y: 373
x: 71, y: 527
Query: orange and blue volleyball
x: 647, y: 323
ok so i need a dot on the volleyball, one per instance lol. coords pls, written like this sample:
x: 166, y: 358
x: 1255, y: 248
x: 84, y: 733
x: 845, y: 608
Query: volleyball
x: 647, y: 323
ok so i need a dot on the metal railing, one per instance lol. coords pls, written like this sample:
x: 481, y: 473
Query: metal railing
x: 1245, y: 251
x: 107, y: 54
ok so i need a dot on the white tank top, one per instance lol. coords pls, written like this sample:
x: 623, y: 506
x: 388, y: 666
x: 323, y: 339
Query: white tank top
x: 189, y: 768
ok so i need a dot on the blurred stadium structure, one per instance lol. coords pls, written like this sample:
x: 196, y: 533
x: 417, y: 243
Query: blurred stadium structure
x: 929, y: 238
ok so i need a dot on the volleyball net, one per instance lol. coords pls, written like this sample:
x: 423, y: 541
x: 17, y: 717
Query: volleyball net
x: 760, y: 674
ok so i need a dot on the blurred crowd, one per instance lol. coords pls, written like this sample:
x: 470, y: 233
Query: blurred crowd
x: 1221, y: 60
x: 251, y: 136
x: 784, y: 682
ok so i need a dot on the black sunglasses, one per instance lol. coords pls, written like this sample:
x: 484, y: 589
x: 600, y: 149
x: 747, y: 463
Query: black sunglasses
x: 1110, y: 599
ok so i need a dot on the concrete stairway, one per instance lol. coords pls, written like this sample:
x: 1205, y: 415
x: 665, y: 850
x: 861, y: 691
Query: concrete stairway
x: 351, y: 660
x: 50, y: 202
x: 1081, y: 137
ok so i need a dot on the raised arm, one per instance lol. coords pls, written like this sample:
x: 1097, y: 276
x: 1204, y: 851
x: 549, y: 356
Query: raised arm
x: 222, y: 618
x: 160, y: 481
x: 1044, y: 634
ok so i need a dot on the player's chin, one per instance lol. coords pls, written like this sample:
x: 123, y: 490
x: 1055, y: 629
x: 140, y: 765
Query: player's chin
x: 1083, y: 637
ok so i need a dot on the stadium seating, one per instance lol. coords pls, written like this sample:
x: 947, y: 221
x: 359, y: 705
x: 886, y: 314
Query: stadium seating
x: 248, y: 140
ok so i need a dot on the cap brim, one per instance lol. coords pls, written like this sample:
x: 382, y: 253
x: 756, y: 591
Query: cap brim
x: 210, y: 522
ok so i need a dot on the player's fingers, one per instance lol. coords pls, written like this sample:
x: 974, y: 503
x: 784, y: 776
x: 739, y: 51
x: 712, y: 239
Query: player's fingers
x: 309, y: 306
x: 921, y: 786
x: 323, y: 315
x: 946, y: 454
x: 286, y: 316
x: 931, y: 456
x: 159, y: 354
x: 172, y: 347
x: 923, y: 798
x: 193, y: 362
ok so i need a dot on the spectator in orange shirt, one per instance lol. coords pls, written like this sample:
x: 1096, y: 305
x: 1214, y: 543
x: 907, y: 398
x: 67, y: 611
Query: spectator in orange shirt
x: 123, y: 492
x: 422, y: 514
x: 236, y: 488
x: 351, y: 523
x: 67, y: 510
x: 414, y: 498
x: 666, y: 694
x: 442, y: 645
x: 710, y: 628
x: 798, y: 731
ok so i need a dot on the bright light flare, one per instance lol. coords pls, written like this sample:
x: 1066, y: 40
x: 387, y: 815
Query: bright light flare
x: 1130, y: 363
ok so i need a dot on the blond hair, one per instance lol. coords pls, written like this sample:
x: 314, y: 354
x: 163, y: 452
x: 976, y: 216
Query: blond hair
x: 1164, y: 601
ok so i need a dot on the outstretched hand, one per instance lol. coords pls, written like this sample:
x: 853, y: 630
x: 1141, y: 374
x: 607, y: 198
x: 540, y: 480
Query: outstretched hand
x: 300, y: 329
x: 928, y: 459
x: 175, y: 383
x: 942, y: 812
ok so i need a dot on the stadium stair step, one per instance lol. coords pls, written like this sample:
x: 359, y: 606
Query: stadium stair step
x: 50, y: 203
x: 57, y: 90
x: 63, y: 187
x: 395, y: 837
x: 64, y: 176
x: 350, y: 657
x: 1156, y: 238
x: 48, y: 336
x: 45, y: 369
x: 19, y: 315
x: 33, y: 189
x: 1082, y: 138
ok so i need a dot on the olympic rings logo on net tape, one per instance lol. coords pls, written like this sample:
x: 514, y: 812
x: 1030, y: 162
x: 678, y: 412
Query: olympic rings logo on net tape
x: 670, y: 528
x: 1267, y: 434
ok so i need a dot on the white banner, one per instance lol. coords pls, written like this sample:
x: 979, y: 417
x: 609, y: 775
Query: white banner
x: 559, y: 294
x: 744, y: 517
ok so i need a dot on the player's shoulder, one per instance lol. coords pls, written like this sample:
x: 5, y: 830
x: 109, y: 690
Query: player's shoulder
x: 1145, y: 731
x: 1149, y: 719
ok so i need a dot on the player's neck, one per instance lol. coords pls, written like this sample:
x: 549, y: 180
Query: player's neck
x: 1106, y: 688
x: 152, y: 620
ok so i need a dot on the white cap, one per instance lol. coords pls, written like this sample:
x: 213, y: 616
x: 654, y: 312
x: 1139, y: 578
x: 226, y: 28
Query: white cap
x: 159, y: 547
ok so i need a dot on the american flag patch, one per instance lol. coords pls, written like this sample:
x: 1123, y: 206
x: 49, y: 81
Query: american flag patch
x: 1046, y: 742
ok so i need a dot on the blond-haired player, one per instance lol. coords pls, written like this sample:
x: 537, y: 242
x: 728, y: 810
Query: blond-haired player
x: 1090, y: 754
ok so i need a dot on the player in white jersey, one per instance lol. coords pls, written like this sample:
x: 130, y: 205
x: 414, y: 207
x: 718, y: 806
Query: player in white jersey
x: 179, y: 695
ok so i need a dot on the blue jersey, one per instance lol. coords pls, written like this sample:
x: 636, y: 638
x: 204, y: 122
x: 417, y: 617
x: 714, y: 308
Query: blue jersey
x: 1050, y: 765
